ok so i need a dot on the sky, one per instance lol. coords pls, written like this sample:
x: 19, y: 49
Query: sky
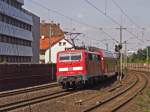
x: 136, y: 20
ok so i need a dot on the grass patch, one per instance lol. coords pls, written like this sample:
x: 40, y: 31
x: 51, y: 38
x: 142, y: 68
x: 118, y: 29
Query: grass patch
x: 148, y: 92
x: 144, y: 101
x: 141, y: 101
x: 147, y: 110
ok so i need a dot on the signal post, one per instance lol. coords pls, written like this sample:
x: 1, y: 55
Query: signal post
x: 119, y: 49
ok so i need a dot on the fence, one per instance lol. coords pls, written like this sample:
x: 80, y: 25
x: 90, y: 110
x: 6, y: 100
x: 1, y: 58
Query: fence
x: 139, y: 67
x: 13, y: 76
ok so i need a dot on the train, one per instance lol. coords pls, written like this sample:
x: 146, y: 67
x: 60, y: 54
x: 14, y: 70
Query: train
x: 79, y: 67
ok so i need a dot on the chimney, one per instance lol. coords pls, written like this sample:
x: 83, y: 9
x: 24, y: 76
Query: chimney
x: 43, y: 21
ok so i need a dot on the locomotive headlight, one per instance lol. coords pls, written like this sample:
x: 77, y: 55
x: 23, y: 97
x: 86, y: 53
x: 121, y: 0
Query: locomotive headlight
x: 70, y: 69
x: 63, y: 69
x: 78, y: 68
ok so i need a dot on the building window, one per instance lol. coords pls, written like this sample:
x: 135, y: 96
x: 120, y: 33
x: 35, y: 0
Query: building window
x: 13, y: 3
x: 0, y: 39
x: 42, y: 52
x: 64, y: 43
x: 14, y: 59
x: 0, y: 17
x: 59, y: 43
x: 1, y: 59
x: 15, y: 22
x: 13, y: 40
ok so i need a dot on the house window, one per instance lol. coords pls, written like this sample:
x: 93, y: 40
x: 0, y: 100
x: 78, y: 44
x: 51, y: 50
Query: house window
x: 59, y: 43
x: 64, y: 43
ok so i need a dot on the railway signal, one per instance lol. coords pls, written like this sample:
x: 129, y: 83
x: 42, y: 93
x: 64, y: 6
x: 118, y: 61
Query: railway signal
x: 118, y: 47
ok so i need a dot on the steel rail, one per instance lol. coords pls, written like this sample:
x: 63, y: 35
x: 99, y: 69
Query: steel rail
x: 111, y: 97
x: 25, y: 90
x: 131, y: 97
x: 19, y: 104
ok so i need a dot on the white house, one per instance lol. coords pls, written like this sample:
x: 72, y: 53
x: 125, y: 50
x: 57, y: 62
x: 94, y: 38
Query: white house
x: 57, y: 44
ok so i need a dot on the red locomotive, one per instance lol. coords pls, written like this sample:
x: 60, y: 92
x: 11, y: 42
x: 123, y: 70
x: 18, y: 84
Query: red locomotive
x: 79, y: 67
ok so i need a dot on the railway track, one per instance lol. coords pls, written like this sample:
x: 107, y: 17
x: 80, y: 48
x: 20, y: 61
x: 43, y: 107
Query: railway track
x: 25, y: 90
x: 35, y: 100
x: 119, y: 99
x: 77, y: 102
x: 110, y: 89
x: 111, y: 103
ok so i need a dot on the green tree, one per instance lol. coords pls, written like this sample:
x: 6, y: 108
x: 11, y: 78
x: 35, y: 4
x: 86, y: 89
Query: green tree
x: 140, y: 56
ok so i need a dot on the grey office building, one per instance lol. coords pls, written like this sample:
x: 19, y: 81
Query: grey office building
x: 19, y: 33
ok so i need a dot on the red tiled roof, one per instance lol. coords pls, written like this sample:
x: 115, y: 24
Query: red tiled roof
x: 44, y: 42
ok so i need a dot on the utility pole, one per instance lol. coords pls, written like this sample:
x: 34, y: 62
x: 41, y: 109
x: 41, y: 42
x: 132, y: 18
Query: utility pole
x: 50, y: 34
x: 147, y: 55
x: 120, y: 52
x: 125, y: 59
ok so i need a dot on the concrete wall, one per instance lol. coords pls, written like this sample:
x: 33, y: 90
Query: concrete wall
x: 36, y: 38
x: 14, y: 76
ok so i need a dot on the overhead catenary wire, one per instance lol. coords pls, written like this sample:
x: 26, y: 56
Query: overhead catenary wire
x: 116, y: 22
x: 135, y: 36
x: 102, y: 12
x: 58, y: 13
x: 128, y: 18
x: 76, y: 21
x: 85, y: 24
x: 138, y: 26
x: 117, y: 5
x: 97, y: 40
x: 109, y: 17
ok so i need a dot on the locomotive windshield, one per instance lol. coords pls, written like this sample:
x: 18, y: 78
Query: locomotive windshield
x: 72, y: 56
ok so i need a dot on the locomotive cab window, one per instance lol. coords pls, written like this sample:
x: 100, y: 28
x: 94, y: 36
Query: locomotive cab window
x: 70, y: 56
x: 64, y: 57
x: 76, y: 56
